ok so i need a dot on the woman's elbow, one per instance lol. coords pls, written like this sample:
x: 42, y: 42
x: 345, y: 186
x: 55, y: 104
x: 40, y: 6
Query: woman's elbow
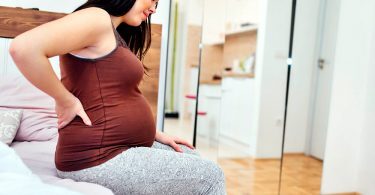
x: 16, y: 49
x: 22, y: 51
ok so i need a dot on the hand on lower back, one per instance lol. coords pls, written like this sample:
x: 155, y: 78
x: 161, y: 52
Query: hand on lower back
x: 67, y: 111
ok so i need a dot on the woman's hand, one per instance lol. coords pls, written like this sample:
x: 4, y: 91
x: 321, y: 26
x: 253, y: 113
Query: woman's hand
x: 172, y: 141
x: 68, y: 110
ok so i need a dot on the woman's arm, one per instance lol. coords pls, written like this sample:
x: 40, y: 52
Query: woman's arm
x: 31, y: 50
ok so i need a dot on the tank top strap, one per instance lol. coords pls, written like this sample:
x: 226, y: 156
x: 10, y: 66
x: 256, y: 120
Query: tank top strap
x: 119, y: 39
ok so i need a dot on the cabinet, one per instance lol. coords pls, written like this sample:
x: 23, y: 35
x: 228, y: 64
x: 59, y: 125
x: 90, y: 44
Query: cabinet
x: 214, y: 22
x: 237, y: 111
x: 208, y: 124
x: 224, y: 17
x: 229, y: 114
x: 241, y: 16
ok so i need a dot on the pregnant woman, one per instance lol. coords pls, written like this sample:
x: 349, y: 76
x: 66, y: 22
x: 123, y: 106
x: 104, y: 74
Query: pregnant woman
x: 107, y: 132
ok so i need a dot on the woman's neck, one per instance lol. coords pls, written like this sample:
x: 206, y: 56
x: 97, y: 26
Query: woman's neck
x: 116, y: 21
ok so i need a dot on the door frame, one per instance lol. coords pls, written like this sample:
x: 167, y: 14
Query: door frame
x: 315, y: 77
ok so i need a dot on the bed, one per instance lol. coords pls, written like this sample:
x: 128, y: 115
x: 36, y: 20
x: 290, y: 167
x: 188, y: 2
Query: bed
x: 36, y: 134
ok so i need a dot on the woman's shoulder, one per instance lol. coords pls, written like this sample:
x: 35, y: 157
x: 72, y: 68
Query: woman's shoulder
x: 91, y: 21
x: 92, y: 10
x: 90, y: 14
x: 81, y: 29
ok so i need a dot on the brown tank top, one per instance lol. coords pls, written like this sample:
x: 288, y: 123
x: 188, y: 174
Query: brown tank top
x: 108, y: 90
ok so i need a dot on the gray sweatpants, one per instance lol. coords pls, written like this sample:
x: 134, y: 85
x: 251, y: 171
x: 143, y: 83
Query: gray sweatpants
x: 157, y: 170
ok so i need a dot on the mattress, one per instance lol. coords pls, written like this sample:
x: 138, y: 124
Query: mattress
x: 39, y: 158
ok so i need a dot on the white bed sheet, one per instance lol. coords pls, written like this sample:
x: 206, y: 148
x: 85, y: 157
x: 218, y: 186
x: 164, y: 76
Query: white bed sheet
x: 39, y: 158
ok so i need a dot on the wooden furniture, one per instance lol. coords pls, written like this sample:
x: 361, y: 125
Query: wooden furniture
x: 14, y: 21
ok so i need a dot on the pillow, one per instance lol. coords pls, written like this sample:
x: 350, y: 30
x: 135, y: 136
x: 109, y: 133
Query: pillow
x: 9, y: 123
x: 39, y: 120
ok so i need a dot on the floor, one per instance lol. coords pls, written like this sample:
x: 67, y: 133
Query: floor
x: 244, y: 175
x: 209, y: 148
x: 301, y: 176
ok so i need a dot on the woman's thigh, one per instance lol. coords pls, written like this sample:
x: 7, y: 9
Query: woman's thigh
x: 145, y: 170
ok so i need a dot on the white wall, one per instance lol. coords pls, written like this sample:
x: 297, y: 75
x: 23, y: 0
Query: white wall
x: 366, y: 169
x: 270, y: 77
x: 67, y: 6
x: 349, y: 156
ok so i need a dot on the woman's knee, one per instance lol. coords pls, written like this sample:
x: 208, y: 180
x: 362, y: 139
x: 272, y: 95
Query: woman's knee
x: 215, y: 182
x: 216, y: 173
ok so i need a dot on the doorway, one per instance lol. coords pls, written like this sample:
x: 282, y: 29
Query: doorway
x: 326, y: 43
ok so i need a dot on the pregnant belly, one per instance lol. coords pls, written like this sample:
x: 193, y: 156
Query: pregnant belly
x: 130, y: 124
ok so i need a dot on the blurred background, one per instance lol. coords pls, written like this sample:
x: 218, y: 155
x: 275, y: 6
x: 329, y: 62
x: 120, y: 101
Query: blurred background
x: 228, y: 91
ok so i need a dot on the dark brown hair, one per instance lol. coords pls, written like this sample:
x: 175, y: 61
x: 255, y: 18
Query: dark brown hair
x: 137, y: 38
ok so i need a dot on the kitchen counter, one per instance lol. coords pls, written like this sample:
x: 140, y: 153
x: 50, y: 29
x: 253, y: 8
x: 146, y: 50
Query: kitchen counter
x: 210, y: 82
x: 238, y: 75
